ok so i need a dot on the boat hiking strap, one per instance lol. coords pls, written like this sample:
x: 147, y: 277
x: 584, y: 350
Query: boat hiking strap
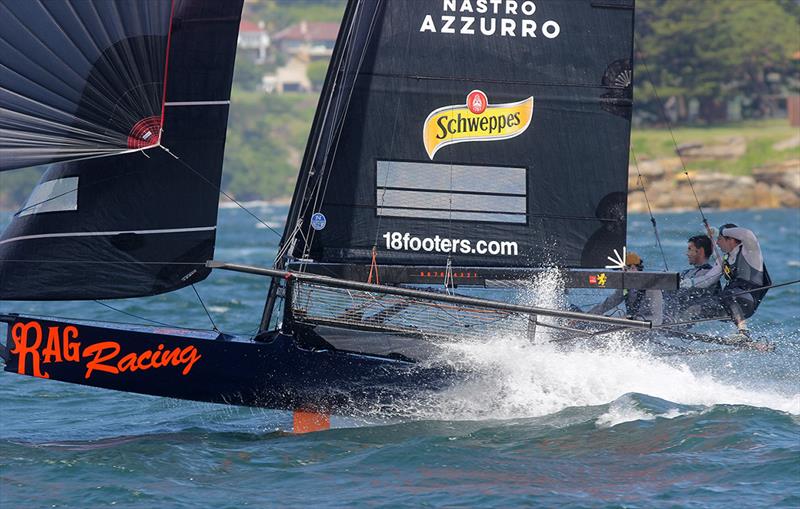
x: 649, y: 209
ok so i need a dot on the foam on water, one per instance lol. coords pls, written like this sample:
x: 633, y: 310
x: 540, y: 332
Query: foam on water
x: 519, y: 378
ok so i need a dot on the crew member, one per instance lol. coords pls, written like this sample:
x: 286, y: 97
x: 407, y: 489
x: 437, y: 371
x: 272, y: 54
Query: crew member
x: 743, y: 269
x: 639, y: 304
x: 691, y: 303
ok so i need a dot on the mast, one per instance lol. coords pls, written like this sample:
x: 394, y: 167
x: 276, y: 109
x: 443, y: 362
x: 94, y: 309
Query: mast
x: 309, y: 171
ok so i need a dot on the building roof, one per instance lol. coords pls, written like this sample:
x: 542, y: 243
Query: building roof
x: 309, y: 31
x: 250, y: 26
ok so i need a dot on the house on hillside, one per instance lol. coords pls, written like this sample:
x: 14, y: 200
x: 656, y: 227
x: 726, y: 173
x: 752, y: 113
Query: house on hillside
x: 313, y: 39
x: 301, y: 44
x: 292, y: 77
x: 253, y: 40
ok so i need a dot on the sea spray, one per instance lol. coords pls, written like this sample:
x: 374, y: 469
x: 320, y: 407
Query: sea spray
x: 519, y: 376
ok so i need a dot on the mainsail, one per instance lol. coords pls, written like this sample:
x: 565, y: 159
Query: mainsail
x: 146, y: 86
x: 483, y: 135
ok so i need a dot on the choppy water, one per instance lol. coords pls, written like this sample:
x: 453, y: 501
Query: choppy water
x: 617, y: 428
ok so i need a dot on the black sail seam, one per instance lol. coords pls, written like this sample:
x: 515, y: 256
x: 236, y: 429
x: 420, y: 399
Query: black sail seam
x: 489, y: 80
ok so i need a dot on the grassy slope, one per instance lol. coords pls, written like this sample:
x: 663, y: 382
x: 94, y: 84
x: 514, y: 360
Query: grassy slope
x: 650, y: 143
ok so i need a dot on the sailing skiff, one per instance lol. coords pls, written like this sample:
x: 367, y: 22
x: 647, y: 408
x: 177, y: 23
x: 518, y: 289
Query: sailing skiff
x: 450, y: 149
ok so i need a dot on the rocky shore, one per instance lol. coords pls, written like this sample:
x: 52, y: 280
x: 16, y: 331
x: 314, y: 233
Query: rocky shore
x: 667, y: 188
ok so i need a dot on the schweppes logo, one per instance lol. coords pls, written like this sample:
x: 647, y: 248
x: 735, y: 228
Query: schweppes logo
x: 477, y: 120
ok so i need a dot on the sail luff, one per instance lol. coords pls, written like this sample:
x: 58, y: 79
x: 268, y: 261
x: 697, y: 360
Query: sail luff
x: 305, y: 178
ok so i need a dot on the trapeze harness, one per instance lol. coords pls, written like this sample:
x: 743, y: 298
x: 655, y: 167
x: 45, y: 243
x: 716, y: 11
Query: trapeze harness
x: 741, y: 277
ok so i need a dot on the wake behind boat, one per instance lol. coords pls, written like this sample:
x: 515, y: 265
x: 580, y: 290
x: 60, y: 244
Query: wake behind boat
x: 439, y: 160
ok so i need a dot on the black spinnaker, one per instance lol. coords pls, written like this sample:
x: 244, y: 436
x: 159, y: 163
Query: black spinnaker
x: 142, y: 219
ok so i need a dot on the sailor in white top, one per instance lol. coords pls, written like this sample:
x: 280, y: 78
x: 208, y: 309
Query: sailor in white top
x: 742, y: 267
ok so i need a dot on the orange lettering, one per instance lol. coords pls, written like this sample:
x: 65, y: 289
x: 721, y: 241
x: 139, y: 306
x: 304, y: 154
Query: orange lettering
x: 145, y: 355
x: 156, y: 355
x: 97, y: 363
x: 52, y: 352
x: 189, y: 356
x: 127, y: 363
x: 19, y: 333
x: 71, y: 350
x: 173, y: 356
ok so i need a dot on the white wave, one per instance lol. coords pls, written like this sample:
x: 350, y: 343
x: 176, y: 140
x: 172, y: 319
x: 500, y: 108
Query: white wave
x: 626, y: 410
x: 518, y: 378
x: 525, y: 380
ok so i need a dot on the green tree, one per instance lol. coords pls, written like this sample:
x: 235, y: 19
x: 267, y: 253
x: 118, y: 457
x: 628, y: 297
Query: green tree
x: 246, y: 73
x: 714, y: 50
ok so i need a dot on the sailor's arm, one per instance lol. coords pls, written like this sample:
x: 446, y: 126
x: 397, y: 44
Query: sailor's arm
x: 751, y: 249
x: 704, y: 280
x: 613, y: 300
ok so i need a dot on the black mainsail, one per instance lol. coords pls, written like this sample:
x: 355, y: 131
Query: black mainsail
x: 487, y: 135
x: 138, y: 93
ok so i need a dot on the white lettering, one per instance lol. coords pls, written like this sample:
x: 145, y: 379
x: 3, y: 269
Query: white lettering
x: 466, y: 28
x: 504, y: 18
x: 528, y: 28
x: 447, y: 28
x: 427, y: 25
x: 528, y: 8
x: 551, y: 29
x: 507, y: 27
x: 486, y: 31
x: 396, y: 241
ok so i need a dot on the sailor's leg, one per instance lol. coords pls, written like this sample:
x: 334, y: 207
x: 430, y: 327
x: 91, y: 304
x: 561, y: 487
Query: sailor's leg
x: 740, y: 307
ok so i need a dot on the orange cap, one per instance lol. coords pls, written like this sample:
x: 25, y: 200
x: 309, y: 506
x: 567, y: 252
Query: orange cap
x: 633, y: 259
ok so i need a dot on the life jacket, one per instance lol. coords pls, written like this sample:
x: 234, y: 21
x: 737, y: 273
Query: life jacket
x: 740, y: 275
x: 700, y: 292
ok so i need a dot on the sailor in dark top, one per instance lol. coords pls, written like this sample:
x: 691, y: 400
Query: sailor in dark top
x: 742, y: 268
x: 692, y: 303
x: 639, y: 304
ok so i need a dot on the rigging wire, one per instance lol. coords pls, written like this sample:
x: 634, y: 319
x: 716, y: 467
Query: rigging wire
x: 219, y: 189
x: 322, y: 189
x: 680, y: 157
x: 649, y: 209
x: 213, y: 325
x: 133, y: 315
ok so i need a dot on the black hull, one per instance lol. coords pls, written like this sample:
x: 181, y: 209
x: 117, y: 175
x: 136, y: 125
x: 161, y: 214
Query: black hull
x: 280, y: 372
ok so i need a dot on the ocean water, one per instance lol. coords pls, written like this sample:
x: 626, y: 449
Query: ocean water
x: 544, y: 428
